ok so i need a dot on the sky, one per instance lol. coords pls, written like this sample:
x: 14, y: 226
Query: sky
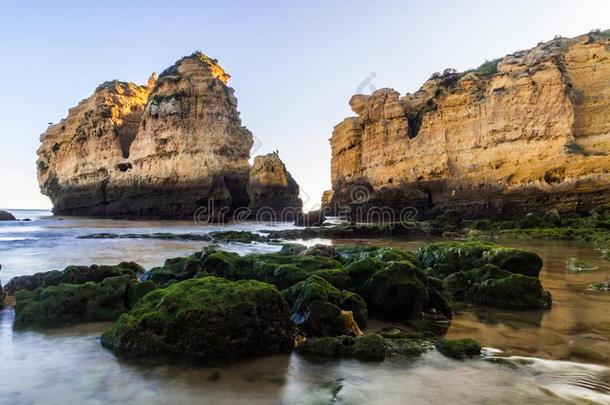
x: 294, y: 65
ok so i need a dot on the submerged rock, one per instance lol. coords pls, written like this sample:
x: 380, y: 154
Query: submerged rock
x: 369, y: 346
x: 72, y: 275
x: 71, y: 303
x: 602, y: 286
x: 458, y: 348
x: 576, y: 265
x: 6, y: 216
x: 211, y: 318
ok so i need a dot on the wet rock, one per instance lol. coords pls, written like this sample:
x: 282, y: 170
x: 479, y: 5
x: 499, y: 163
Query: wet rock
x: 321, y: 250
x: 602, y: 286
x: 576, y: 265
x: 210, y: 318
x: 272, y: 190
x: 239, y: 236
x: 311, y: 218
x: 292, y: 248
x: 449, y: 257
x: 71, y: 303
x: 369, y: 347
x: 6, y: 216
x: 316, y: 308
x: 397, y: 292
x: 174, y: 269
x: 458, y: 348
x: 72, y: 275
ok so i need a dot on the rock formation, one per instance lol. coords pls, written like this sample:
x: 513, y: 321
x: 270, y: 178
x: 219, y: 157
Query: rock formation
x: 527, y: 132
x: 272, y: 189
x: 6, y: 216
x: 161, y: 150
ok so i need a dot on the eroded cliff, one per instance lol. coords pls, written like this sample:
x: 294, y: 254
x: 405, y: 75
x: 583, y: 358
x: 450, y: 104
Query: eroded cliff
x: 161, y: 150
x: 527, y: 132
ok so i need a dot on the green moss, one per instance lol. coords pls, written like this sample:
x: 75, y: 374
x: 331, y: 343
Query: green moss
x: 602, y: 286
x: 207, y: 317
x: 228, y: 265
x: 576, y: 265
x: 292, y: 248
x: 368, y: 347
x: 451, y: 257
x: 397, y: 292
x: 72, y: 303
x: 174, y: 269
x: 458, y: 348
x: 316, y: 307
x: 72, y: 275
x: 515, y: 292
x: 339, y: 278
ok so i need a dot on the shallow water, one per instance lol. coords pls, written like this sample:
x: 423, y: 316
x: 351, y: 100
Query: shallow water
x: 556, y: 356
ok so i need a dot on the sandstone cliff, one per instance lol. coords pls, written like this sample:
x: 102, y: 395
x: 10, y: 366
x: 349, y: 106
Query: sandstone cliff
x: 271, y: 188
x: 527, y: 132
x: 161, y: 150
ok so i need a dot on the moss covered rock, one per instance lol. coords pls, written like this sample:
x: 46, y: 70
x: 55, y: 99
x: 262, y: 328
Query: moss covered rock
x: 446, y: 258
x: 316, y: 308
x: 576, y: 265
x: 209, y: 317
x: 174, y: 269
x: 370, y: 346
x: 72, y: 275
x: 397, y: 292
x: 72, y: 303
x: 458, y: 348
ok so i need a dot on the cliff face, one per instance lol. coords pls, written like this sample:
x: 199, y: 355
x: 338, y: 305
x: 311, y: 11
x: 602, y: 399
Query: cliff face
x: 272, y: 188
x: 528, y: 132
x: 161, y: 150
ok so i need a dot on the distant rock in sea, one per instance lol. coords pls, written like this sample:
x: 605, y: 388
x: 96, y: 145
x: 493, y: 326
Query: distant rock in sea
x: 162, y: 150
x: 6, y: 216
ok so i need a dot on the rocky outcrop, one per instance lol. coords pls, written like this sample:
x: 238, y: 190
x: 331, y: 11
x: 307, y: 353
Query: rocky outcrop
x: 272, y: 188
x: 6, y: 216
x: 528, y: 132
x: 161, y: 150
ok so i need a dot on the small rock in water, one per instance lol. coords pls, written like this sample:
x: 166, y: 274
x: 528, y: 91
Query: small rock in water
x: 575, y: 265
x: 603, y: 286
x: 458, y: 348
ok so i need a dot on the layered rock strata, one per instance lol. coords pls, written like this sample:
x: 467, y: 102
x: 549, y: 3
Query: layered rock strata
x: 527, y: 132
x: 271, y: 188
x: 162, y: 150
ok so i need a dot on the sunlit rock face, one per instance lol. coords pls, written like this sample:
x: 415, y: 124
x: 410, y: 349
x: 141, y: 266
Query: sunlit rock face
x: 529, y: 133
x: 162, y: 150
x: 272, y: 189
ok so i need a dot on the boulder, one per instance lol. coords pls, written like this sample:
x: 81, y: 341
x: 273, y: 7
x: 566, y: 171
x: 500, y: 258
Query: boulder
x: 71, y: 303
x: 6, y: 216
x: 311, y: 218
x: 72, y: 275
x: 319, y: 309
x: 458, y: 348
x: 209, y: 318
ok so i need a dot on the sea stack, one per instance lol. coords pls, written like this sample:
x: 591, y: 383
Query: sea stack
x: 527, y: 132
x: 272, y: 190
x: 162, y: 150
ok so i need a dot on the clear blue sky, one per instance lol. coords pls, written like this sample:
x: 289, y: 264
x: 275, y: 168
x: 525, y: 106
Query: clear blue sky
x: 294, y: 65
